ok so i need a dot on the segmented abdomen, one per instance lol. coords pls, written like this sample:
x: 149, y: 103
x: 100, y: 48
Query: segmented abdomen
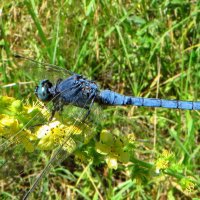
x: 108, y: 97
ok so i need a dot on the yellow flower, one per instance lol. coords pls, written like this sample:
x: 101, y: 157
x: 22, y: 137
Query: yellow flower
x: 131, y: 138
x: 5, y: 102
x: 162, y: 164
x: 26, y: 138
x: 102, y: 148
x: 113, y: 147
x: 8, y: 125
x: 111, y: 162
x: 55, y: 134
x: 164, y: 160
x: 167, y: 154
x: 187, y: 185
x: 106, y: 137
x: 10, y: 129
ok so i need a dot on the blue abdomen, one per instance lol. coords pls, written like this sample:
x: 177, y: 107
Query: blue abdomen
x: 108, y: 97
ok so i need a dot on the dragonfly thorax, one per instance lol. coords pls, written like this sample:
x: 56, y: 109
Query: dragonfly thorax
x: 42, y: 91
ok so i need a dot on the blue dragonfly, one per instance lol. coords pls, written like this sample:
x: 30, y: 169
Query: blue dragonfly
x: 80, y: 92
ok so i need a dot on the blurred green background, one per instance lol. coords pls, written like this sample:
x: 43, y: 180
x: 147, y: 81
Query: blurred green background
x: 139, y: 48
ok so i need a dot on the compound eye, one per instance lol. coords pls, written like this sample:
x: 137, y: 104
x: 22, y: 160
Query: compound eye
x: 44, y: 91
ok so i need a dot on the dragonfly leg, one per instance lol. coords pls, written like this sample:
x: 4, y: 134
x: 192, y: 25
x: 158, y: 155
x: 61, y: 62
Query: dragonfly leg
x: 89, y: 108
x: 52, y: 114
x: 86, y: 115
x: 57, y: 106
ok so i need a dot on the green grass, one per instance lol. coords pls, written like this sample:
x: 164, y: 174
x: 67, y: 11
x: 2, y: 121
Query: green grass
x: 140, y: 48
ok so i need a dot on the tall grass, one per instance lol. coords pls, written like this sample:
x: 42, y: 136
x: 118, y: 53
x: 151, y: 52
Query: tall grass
x: 140, y: 48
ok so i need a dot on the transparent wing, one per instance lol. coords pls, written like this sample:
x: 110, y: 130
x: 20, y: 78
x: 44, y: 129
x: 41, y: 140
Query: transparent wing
x: 31, y: 133
x: 70, y: 141
x: 26, y: 74
x: 37, y: 70
x: 44, y: 64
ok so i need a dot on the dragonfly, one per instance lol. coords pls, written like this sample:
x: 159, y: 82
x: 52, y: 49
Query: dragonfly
x: 81, y: 92
x: 78, y: 91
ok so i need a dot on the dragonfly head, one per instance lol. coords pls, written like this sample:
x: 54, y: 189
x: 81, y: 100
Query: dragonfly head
x: 42, y: 90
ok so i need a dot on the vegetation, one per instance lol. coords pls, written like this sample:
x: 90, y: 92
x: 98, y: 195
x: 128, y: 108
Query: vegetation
x: 139, y: 48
